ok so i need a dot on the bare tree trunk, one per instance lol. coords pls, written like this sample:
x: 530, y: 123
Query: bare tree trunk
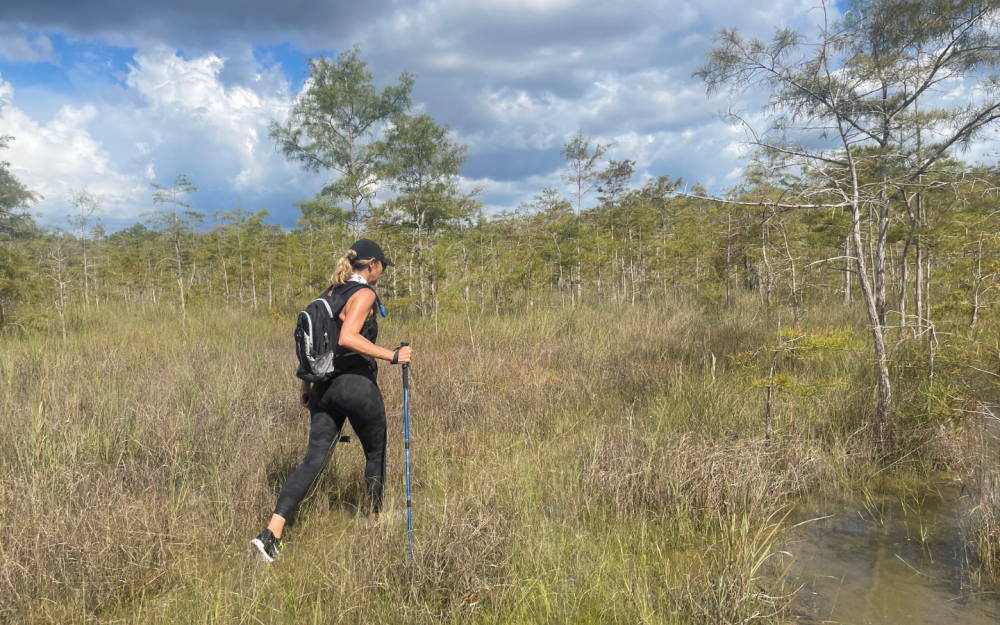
x: 465, y: 275
x: 767, y: 265
x: 768, y: 432
x: 791, y: 264
x: 253, y: 284
x: 915, y: 222
x: 239, y: 248
x: 572, y: 291
x: 919, y: 283
x: 927, y: 292
x: 225, y: 274
x: 59, y: 259
x: 62, y: 313
x: 395, y: 293
x: 420, y: 264
x: 562, y: 292
x: 496, y: 283
x: 355, y: 213
x: 194, y: 274
x: 624, y: 287
x: 598, y: 239
x: 931, y: 338
x: 86, y: 277
x: 881, y: 241
x: 729, y: 257
x: 884, y: 384
x: 149, y: 277
x: 434, y: 294
x: 468, y: 315
x: 579, y: 275
x: 663, y: 250
x: 871, y: 247
x: 903, y: 290
x: 579, y: 210
x: 631, y: 269
x: 979, y: 283
x: 289, y: 274
x: 312, y: 236
x: 848, y: 285
x: 180, y: 276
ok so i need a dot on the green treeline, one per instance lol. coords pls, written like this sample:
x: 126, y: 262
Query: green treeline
x: 634, y: 245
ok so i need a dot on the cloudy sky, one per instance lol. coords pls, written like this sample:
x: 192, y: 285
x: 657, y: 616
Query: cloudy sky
x: 115, y: 94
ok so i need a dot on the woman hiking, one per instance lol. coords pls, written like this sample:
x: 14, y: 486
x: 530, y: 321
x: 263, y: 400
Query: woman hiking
x: 352, y: 394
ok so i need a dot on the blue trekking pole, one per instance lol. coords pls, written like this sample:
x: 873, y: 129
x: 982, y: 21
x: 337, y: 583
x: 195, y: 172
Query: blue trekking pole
x: 406, y: 434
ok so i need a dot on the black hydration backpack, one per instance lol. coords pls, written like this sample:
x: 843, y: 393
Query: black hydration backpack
x: 317, y: 332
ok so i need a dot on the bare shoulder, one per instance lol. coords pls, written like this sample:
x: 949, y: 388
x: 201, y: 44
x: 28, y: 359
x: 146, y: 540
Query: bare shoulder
x: 363, y: 297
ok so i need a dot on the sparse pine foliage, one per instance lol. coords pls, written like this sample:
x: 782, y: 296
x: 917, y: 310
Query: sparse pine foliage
x: 333, y: 125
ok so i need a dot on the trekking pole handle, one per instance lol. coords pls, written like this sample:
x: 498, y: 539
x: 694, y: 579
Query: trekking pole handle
x: 406, y: 367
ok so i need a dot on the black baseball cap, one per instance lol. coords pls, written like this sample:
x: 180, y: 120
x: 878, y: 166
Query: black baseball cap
x: 366, y: 248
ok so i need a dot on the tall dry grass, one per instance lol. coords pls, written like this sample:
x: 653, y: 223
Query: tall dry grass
x: 584, y: 466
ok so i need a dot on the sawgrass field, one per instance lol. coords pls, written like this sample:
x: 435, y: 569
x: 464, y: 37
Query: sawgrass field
x: 577, y: 465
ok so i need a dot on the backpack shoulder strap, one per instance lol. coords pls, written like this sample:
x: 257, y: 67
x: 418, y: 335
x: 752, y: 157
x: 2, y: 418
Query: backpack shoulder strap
x: 339, y: 295
x: 326, y: 304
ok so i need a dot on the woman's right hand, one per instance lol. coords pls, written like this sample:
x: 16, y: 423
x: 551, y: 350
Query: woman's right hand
x: 405, y: 354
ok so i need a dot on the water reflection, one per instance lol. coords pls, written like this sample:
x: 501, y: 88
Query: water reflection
x: 898, y: 558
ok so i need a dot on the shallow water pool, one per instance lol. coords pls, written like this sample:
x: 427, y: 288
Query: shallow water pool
x: 899, y: 558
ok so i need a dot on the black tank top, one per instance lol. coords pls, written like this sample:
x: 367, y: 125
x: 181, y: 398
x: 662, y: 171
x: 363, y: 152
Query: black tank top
x: 345, y: 359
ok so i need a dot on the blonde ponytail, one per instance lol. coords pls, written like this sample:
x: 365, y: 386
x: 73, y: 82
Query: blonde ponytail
x: 348, y: 264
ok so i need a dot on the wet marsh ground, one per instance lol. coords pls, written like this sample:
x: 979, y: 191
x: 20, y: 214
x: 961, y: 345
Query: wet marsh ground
x: 903, y: 558
x: 570, y: 466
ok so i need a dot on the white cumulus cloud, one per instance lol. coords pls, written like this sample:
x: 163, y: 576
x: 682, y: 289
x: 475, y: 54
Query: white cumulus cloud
x: 187, y: 94
x: 172, y: 115
x: 60, y: 155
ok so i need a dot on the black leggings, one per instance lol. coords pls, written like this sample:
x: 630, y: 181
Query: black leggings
x: 351, y: 396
